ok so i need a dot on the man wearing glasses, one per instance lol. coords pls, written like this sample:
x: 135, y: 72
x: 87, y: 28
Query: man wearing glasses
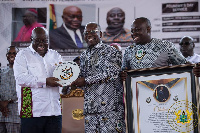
x: 37, y: 89
x: 9, y: 116
x: 103, y: 101
x: 70, y: 34
x: 187, y: 49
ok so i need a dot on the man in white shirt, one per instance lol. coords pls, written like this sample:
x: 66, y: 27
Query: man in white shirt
x: 37, y: 89
x: 70, y: 34
x: 187, y: 49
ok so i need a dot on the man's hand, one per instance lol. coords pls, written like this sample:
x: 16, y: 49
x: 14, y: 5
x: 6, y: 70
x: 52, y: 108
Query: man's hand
x: 123, y: 75
x: 79, y: 82
x: 51, y: 81
x: 196, y: 70
x: 4, y: 108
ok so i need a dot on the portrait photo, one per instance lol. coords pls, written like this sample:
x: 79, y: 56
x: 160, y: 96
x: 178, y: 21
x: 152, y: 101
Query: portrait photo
x: 67, y: 23
x: 24, y: 20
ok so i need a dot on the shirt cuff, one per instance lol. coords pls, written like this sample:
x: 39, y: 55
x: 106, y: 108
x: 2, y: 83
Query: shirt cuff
x: 41, y: 83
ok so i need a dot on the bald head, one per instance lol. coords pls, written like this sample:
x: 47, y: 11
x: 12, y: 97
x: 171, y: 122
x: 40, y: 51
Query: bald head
x: 72, y: 17
x: 115, y: 17
x: 40, y: 41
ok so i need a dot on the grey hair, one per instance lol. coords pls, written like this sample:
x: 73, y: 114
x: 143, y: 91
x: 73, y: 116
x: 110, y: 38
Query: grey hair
x: 98, y: 26
x: 187, y: 37
x: 38, y: 28
x: 16, y: 49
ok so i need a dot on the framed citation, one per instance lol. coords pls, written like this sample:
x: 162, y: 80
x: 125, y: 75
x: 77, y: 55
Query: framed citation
x: 162, y: 100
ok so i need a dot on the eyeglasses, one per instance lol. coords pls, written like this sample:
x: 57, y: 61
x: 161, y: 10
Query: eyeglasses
x: 185, y: 43
x: 93, y: 32
x: 9, y: 53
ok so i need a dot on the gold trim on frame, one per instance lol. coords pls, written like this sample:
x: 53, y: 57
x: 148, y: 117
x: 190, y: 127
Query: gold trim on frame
x: 74, y: 93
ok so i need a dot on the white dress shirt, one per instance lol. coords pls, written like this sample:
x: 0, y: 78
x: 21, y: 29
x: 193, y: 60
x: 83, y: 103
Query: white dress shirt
x: 31, y: 70
x: 194, y: 59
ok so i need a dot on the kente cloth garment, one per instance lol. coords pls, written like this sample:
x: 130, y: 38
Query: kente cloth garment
x: 7, y: 92
x: 31, y: 71
x: 103, y: 101
x: 25, y: 32
x: 123, y: 36
x: 194, y: 59
x: 156, y: 53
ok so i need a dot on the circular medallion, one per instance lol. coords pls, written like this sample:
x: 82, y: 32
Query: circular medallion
x: 66, y: 72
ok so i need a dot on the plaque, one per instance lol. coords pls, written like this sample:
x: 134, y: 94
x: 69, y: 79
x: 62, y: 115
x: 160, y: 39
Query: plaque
x: 161, y: 100
x: 66, y: 72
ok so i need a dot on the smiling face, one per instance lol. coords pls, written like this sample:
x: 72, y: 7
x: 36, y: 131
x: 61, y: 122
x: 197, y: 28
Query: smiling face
x: 92, y: 34
x: 72, y: 17
x: 140, y: 32
x: 40, y: 41
x: 115, y: 18
x: 11, y: 56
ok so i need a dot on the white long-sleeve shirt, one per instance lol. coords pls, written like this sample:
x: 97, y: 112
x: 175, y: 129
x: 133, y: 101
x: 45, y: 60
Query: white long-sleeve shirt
x: 194, y: 59
x: 31, y: 70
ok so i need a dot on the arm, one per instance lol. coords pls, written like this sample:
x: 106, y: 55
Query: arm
x: 109, y: 71
x: 196, y: 70
x: 22, y: 75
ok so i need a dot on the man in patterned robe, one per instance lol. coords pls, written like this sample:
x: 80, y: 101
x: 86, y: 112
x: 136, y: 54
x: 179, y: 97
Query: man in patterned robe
x: 103, y: 101
x: 148, y: 52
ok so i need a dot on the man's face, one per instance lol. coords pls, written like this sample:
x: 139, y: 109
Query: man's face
x: 72, y: 17
x: 186, y: 47
x: 140, y: 32
x: 92, y: 35
x: 115, y: 18
x: 11, y: 55
x: 40, y: 43
x: 28, y: 19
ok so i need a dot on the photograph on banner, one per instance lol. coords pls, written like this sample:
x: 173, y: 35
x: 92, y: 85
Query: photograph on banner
x: 169, y: 97
x: 67, y: 23
x: 24, y: 20
x: 115, y: 20
x: 171, y: 20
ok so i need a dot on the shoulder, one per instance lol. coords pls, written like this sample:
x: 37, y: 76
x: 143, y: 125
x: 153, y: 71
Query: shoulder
x: 163, y: 43
x: 127, y: 30
x: 4, y: 69
x: 39, y: 25
x: 131, y: 47
x: 52, y: 51
x: 57, y: 30
x: 24, y: 51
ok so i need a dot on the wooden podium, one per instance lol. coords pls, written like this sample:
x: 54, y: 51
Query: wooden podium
x: 72, y: 112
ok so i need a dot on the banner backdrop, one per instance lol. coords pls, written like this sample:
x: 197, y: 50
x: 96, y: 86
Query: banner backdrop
x: 171, y: 20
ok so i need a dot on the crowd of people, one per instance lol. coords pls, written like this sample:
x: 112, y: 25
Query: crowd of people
x: 28, y: 82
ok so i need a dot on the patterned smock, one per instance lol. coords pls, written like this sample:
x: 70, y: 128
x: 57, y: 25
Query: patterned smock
x: 103, y: 105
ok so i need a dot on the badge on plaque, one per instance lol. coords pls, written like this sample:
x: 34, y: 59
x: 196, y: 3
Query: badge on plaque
x: 66, y: 72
